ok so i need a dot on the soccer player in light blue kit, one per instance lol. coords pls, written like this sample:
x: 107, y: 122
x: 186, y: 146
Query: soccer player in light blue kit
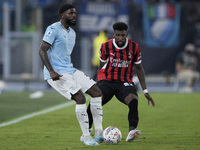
x: 55, y: 50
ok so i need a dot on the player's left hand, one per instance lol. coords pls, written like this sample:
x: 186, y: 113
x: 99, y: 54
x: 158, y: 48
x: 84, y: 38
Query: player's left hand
x: 149, y: 98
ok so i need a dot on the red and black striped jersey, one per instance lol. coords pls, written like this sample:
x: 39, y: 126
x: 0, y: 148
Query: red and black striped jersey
x: 119, y: 61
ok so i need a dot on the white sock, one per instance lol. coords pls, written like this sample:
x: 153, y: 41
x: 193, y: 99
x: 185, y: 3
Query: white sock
x: 82, y: 117
x: 97, y: 113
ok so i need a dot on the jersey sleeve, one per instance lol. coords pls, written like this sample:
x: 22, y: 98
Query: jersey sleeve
x: 138, y: 56
x: 102, y: 53
x: 50, y: 35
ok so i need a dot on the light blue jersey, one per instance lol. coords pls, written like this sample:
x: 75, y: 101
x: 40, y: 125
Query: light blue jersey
x: 62, y: 44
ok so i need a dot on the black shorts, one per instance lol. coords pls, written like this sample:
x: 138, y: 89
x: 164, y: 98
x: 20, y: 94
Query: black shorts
x: 117, y: 88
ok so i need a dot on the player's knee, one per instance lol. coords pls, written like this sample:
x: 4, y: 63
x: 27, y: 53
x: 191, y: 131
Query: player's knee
x: 79, y: 98
x: 94, y: 91
x: 97, y: 92
x: 129, y: 98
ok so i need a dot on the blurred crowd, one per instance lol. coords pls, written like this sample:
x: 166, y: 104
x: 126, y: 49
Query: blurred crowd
x: 190, y: 13
x: 189, y: 29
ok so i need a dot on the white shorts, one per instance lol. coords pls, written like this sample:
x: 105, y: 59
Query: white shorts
x: 70, y: 84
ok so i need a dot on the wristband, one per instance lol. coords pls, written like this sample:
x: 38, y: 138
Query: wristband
x: 145, y: 91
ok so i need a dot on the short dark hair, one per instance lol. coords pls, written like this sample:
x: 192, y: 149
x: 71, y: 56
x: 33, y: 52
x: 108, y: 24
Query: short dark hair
x: 120, y: 26
x: 63, y: 7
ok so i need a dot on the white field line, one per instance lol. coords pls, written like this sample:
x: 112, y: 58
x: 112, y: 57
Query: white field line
x: 37, y: 113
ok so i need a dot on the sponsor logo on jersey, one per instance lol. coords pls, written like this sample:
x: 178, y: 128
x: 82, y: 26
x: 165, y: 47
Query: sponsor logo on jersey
x: 128, y: 84
x: 119, y: 63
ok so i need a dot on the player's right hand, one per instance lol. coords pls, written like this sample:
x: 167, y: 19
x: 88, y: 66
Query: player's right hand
x: 55, y: 76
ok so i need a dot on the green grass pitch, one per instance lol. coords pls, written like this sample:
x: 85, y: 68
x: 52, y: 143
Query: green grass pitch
x: 174, y: 124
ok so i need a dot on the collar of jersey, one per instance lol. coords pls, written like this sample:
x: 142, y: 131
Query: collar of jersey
x: 120, y: 47
x: 64, y: 27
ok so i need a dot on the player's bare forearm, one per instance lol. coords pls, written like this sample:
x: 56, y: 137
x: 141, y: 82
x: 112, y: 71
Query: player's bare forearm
x: 45, y: 59
x: 43, y: 55
x: 141, y: 75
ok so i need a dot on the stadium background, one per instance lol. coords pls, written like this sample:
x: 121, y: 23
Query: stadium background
x: 161, y: 27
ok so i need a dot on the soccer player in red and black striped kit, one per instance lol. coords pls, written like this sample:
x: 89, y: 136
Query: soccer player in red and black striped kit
x: 118, y: 57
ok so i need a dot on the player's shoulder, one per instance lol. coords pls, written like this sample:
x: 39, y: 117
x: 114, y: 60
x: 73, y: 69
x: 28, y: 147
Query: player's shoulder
x: 55, y: 26
x: 131, y: 41
x: 107, y: 42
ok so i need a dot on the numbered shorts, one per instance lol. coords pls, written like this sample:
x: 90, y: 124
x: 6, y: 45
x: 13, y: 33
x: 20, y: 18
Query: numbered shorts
x: 118, y: 88
x: 70, y: 84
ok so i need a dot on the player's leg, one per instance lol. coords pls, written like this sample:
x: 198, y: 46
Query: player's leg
x: 128, y: 95
x: 90, y: 117
x: 132, y: 101
x: 82, y: 117
x: 88, y: 86
x: 81, y: 113
x: 133, y: 118
x: 96, y: 110
x: 107, y: 94
x: 71, y: 90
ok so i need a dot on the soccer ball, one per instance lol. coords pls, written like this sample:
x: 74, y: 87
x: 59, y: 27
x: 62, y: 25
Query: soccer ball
x: 112, y: 135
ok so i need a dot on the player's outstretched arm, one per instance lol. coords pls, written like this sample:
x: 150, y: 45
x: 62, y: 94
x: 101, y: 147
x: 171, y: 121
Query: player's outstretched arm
x: 141, y: 77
